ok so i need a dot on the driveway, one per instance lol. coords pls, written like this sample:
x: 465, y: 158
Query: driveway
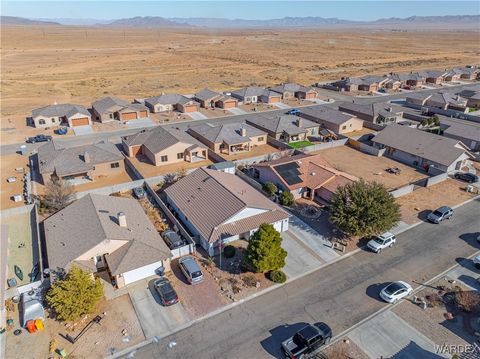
x: 82, y: 130
x: 144, y: 122
x: 237, y: 111
x: 466, y: 273
x: 282, y: 106
x: 197, y: 115
x: 387, y: 335
x: 155, y: 319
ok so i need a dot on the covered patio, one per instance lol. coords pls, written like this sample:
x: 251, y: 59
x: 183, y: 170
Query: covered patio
x: 229, y: 148
x: 196, y: 154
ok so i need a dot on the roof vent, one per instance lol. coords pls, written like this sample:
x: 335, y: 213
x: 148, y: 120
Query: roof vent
x: 243, y: 132
x: 86, y: 157
x: 312, y: 174
x: 122, y: 219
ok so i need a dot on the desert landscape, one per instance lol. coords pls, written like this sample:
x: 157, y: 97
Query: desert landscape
x: 46, y: 64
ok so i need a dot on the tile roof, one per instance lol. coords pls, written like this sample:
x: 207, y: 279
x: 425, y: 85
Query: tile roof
x: 111, y: 104
x: 92, y: 220
x: 431, y: 73
x: 291, y: 87
x: 228, y: 133
x: 60, y: 110
x: 168, y: 99
x: 326, y: 114
x: 282, y: 123
x: 255, y: 91
x: 464, y: 129
x: 208, y: 198
x: 207, y: 94
x: 160, y: 138
x: 426, y: 145
x: 374, y: 109
x: 65, y: 161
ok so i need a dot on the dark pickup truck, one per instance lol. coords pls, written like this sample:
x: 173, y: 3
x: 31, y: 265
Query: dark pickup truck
x: 307, y: 340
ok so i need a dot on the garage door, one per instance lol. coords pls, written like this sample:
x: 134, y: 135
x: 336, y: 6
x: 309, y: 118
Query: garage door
x: 80, y: 121
x: 136, y: 150
x: 190, y: 108
x: 129, y: 116
x: 229, y: 104
x: 310, y: 95
x: 143, y: 113
x: 141, y: 273
x: 274, y: 99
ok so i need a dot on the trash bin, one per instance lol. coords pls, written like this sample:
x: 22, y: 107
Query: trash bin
x: 23, y: 150
x: 30, y: 326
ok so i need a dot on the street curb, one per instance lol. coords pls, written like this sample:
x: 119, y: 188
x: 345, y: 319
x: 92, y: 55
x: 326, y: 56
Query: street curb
x: 391, y: 306
x: 276, y: 286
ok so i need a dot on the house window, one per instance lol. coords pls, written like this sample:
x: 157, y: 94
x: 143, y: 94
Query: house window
x: 115, y: 165
x: 350, y: 125
x: 53, y: 120
x: 41, y: 121
x: 164, y: 158
x: 111, y: 115
x: 260, y: 139
x: 344, y: 127
x: 180, y: 155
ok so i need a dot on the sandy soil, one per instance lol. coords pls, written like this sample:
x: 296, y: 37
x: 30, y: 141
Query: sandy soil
x: 148, y: 170
x: 255, y: 151
x: 418, y: 203
x: 344, y: 349
x: 95, y: 343
x: 44, y: 64
x: 8, y: 163
x: 369, y: 167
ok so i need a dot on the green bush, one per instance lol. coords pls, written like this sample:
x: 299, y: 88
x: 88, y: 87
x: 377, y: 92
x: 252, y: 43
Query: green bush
x: 229, y: 251
x: 286, y: 199
x: 277, y: 276
x: 270, y: 188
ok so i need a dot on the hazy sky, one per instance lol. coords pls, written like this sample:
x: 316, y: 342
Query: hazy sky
x: 350, y: 10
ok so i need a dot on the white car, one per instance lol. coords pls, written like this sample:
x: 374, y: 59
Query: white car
x: 476, y: 261
x: 382, y: 241
x: 395, y: 291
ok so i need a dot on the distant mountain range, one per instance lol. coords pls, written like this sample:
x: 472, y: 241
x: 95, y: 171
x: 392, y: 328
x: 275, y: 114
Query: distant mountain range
x: 415, y: 22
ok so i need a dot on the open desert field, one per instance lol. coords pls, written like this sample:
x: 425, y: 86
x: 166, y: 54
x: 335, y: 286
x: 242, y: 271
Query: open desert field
x: 46, y: 64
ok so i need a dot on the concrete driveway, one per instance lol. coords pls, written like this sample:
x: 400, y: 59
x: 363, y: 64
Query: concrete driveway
x: 237, y: 111
x: 197, y: 115
x: 389, y: 336
x: 466, y: 273
x: 82, y: 130
x: 281, y: 105
x: 155, y: 319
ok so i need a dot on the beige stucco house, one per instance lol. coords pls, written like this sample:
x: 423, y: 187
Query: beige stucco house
x: 63, y: 114
x: 334, y: 120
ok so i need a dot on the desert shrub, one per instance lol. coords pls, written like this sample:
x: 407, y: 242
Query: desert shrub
x: 468, y: 301
x: 235, y: 285
x: 249, y: 280
x: 229, y: 251
x: 277, y: 276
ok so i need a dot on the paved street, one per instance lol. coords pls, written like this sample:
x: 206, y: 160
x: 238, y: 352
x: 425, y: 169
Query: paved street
x: 341, y: 294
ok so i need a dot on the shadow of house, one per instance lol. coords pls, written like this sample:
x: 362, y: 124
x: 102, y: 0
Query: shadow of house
x: 471, y: 238
x: 413, y: 350
x: 273, y: 344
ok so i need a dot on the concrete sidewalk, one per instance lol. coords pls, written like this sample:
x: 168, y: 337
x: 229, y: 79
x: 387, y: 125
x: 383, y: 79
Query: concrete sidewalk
x: 196, y: 116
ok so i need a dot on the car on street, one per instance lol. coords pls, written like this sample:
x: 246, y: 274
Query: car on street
x: 39, y: 138
x: 139, y: 192
x: 440, y: 214
x: 307, y: 340
x: 165, y: 290
x: 395, y: 291
x: 190, y: 269
x: 378, y: 243
x: 293, y: 111
x: 467, y: 177
x: 173, y: 239
x: 476, y: 261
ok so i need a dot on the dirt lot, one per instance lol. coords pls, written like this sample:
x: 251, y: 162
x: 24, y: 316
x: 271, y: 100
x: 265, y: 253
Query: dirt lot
x: 344, y: 349
x: 8, y: 163
x: 95, y: 343
x: 255, y: 151
x: 418, y: 203
x: 148, y: 170
x: 369, y: 167
x: 78, y: 64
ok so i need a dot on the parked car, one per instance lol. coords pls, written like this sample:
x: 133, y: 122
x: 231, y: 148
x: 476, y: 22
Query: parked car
x: 190, y: 269
x: 467, y: 177
x: 293, y: 111
x: 39, y: 138
x: 307, y: 340
x: 382, y: 90
x: 382, y: 241
x: 440, y: 214
x: 395, y: 291
x: 139, y: 192
x: 476, y: 261
x: 62, y: 131
x: 165, y: 290
x: 173, y: 240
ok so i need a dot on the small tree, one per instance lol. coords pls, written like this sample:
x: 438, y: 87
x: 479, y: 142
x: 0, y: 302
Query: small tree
x: 75, y: 295
x: 286, y: 199
x: 264, y: 252
x: 170, y: 178
x: 364, y: 208
x: 58, y: 194
x: 270, y: 188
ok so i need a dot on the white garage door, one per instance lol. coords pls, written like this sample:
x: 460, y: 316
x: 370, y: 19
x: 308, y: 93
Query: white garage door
x: 142, y: 272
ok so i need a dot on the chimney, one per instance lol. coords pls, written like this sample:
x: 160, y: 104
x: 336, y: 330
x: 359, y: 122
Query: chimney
x: 299, y: 122
x: 243, y: 132
x: 122, y: 219
x: 86, y: 157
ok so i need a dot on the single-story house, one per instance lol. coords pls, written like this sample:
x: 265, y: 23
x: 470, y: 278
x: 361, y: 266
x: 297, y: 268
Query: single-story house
x: 378, y: 112
x: 63, y: 114
x: 293, y: 90
x: 305, y: 176
x: 334, y: 120
x: 224, y: 166
x: 452, y: 75
x: 229, y: 138
x: 256, y: 94
x: 285, y: 128
x: 433, y: 76
x: 210, y: 99
x: 112, y: 108
x: 171, y: 102
x: 105, y: 234
x: 348, y: 84
x: 219, y: 207
x: 461, y: 73
x: 466, y: 131
x: 79, y: 163
x: 472, y: 95
x: 441, y: 100
x: 164, y: 146
x: 422, y: 149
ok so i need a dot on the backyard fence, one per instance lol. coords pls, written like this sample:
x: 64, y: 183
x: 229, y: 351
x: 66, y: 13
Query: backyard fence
x: 249, y: 180
x: 436, y: 179
x: 402, y: 191
x: 366, y: 148
x: 262, y: 158
x: 122, y: 187
x: 132, y: 168
x: 324, y: 145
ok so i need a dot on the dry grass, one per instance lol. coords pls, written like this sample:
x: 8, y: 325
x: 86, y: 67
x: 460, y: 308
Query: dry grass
x: 41, y: 65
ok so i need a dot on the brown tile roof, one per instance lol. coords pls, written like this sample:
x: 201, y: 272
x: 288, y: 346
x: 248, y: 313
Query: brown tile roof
x: 209, y: 198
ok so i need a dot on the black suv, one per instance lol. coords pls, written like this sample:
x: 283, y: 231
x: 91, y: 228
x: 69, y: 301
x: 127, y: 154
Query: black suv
x: 467, y: 177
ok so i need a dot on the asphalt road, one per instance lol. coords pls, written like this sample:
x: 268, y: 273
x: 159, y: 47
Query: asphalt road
x: 115, y: 136
x: 341, y: 294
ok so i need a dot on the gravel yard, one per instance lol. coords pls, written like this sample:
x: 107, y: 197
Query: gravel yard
x: 344, y: 349
x: 148, y: 170
x: 7, y: 169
